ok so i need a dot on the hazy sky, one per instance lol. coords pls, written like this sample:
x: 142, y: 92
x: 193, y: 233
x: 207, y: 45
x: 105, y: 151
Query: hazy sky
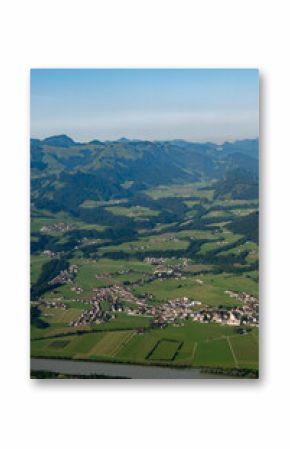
x: 193, y: 104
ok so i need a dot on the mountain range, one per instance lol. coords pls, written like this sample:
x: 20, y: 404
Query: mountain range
x: 64, y: 173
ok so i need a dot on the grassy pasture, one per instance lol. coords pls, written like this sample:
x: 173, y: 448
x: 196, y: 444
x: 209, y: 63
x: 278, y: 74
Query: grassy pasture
x: 194, y: 344
x: 121, y: 322
x: 113, y: 271
x: 90, y: 204
x: 39, y: 222
x: 53, y: 330
x: 36, y: 264
x: 211, y: 291
x: 239, y: 283
x: 124, y: 321
x: 134, y: 211
x: 165, y: 350
x: 242, y: 212
x: 247, y: 246
x: 65, y: 292
x: 218, y: 213
x: 109, y: 265
x: 223, y: 239
x: 192, y: 332
x: 58, y: 316
x: 162, y: 242
x: 138, y: 348
x: 230, y: 202
x: 59, y: 344
x: 215, y: 353
x: 254, y: 275
x: 191, y: 203
x: 246, y: 349
x: 82, y: 344
x: 53, y: 347
x: 111, y: 343
x: 219, y: 224
x: 206, y: 247
x: 180, y: 190
x: 197, y: 234
x: 197, y: 267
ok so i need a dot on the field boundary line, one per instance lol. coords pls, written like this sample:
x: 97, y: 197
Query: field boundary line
x: 124, y: 342
x: 194, y: 350
x: 232, y: 351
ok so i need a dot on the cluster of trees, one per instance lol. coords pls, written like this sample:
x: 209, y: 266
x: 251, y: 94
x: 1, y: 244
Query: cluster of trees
x: 35, y: 319
x: 248, y: 373
x: 247, y: 226
x: 49, y: 271
x: 40, y: 374
x: 41, y: 242
x: 238, y: 184
x: 78, y: 187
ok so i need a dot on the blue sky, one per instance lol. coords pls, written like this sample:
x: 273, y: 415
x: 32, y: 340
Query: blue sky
x: 193, y: 104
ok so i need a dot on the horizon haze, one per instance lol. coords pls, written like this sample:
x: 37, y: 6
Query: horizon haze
x: 197, y: 105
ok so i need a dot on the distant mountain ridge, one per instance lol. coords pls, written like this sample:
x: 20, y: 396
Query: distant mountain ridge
x: 65, y: 172
x: 245, y: 145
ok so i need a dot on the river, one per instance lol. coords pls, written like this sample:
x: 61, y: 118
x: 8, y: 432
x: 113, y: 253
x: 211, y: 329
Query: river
x: 119, y: 369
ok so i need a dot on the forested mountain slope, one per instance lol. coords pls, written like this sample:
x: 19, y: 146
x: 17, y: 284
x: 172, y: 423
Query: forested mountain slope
x: 66, y: 173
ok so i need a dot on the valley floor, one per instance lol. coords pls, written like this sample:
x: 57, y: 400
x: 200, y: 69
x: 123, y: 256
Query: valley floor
x: 180, y: 293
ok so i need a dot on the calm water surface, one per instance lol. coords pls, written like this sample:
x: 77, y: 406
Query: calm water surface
x: 119, y: 369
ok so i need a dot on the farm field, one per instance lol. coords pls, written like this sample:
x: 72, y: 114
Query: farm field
x: 206, y: 288
x: 194, y: 345
x: 180, y: 191
x: 137, y: 211
x: 165, y: 350
x: 216, y: 353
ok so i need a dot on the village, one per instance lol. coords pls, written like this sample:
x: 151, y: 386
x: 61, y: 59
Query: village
x: 173, y: 312
x: 106, y: 301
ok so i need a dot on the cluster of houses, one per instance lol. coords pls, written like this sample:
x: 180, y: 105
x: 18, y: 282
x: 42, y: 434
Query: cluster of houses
x: 65, y: 276
x: 56, y: 228
x: 246, y: 314
x: 49, y: 253
x: 164, y: 270
x: 250, y: 307
x: 77, y: 290
x: 112, y: 296
x: 245, y: 297
x: 170, y: 312
x: 173, y: 311
x: 176, y: 310
x: 220, y: 316
x: 93, y: 315
x: 235, y: 316
x: 85, y: 241
x: 114, y: 292
x: 155, y: 260
x: 56, y: 304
